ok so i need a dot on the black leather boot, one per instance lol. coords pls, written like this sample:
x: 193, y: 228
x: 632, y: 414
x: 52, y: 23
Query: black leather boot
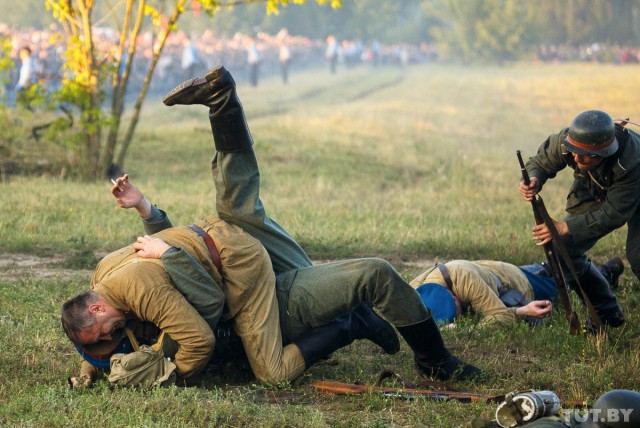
x: 431, y: 355
x: 216, y: 90
x: 596, y: 287
x: 611, y: 270
x: 361, y: 323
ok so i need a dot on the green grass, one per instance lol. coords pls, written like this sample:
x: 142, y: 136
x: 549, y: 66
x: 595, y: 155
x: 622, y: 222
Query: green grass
x: 362, y: 163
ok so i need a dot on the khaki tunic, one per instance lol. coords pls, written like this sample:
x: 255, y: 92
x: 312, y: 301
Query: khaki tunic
x: 476, y: 287
x: 142, y: 289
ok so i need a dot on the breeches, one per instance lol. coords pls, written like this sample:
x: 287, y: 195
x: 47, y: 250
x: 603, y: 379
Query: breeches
x: 577, y: 249
x: 258, y: 326
x: 316, y: 295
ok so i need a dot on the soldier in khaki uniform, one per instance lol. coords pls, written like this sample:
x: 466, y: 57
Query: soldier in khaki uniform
x: 477, y: 286
x: 273, y: 293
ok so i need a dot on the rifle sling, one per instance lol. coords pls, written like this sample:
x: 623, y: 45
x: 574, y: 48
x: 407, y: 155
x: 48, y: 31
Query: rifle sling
x: 558, y: 245
x: 556, y: 270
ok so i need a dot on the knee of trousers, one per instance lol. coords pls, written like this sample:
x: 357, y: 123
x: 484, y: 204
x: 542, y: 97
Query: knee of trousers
x: 377, y: 267
x: 396, y: 300
x: 288, y: 368
x: 377, y: 273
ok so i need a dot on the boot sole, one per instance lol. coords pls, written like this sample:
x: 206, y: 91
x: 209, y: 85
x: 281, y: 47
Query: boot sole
x: 173, y: 95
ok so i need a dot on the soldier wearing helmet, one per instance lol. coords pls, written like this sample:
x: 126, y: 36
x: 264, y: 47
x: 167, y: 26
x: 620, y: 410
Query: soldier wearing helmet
x: 605, y: 195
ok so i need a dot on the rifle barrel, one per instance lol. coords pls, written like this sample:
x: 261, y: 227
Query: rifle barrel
x: 523, y: 170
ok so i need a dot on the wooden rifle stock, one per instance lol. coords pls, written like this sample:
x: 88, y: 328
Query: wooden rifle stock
x: 340, y: 388
x: 540, y: 213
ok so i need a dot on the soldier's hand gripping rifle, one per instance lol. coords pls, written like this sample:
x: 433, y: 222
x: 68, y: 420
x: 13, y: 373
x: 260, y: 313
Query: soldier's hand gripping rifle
x: 540, y: 214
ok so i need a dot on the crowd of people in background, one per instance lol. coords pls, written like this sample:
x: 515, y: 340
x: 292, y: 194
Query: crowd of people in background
x: 187, y: 54
x: 38, y: 55
x: 595, y: 52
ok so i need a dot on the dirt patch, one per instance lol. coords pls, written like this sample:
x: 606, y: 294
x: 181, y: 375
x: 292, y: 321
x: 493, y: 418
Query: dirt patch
x: 16, y: 266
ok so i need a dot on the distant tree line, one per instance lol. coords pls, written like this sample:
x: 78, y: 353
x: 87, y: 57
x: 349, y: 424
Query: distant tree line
x: 502, y: 27
x: 466, y: 30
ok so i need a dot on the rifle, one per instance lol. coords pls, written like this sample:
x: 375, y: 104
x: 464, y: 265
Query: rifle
x: 340, y: 388
x: 540, y: 214
x: 408, y: 392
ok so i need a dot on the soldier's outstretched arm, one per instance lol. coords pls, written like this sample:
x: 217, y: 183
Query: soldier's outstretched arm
x: 129, y: 196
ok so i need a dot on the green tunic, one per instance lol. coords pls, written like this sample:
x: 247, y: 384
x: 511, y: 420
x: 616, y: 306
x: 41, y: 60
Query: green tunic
x: 599, y: 201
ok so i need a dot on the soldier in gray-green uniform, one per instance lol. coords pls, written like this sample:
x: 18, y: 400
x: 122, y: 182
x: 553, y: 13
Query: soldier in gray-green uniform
x: 605, y: 195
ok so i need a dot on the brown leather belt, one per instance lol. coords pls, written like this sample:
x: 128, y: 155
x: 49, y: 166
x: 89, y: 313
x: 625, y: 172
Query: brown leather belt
x: 213, y: 250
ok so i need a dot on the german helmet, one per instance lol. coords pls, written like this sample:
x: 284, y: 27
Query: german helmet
x: 592, y: 133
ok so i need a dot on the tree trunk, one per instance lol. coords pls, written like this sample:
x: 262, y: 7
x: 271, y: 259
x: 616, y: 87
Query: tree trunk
x: 120, y: 82
x: 162, y: 39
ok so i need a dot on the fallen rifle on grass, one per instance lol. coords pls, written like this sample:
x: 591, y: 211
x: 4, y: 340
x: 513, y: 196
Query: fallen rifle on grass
x: 407, y: 392
x: 517, y: 408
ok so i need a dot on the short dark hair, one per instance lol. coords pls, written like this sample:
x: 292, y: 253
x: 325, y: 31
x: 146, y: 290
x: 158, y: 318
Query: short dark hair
x: 26, y: 48
x: 75, y: 316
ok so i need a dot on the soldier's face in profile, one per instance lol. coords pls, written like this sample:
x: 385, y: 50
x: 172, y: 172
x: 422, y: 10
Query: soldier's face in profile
x: 587, y: 163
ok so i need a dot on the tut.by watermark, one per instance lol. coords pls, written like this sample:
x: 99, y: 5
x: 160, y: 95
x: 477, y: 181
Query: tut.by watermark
x: 598, y: 415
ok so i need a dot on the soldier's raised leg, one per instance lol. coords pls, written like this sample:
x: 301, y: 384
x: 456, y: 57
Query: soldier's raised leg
x: 237, y: 180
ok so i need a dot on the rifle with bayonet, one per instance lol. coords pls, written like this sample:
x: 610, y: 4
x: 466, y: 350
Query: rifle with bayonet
x: 540, y: 214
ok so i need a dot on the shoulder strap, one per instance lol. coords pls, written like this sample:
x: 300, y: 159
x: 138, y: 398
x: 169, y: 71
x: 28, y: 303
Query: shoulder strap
x: 158, y: 345
x: 132, y: 338
x: 445, y: 275
x: 136, y: 346
x: 213, y: 250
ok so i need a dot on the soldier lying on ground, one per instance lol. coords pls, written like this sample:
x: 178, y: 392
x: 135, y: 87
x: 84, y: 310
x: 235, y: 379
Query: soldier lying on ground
x: 500, y: 292
x: 288, y: 312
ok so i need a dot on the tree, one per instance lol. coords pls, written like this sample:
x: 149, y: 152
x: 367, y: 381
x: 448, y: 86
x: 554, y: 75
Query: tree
x: 474, y: 30
x: 574, y: 22
x: 88, y: 68
x: 386, y: 21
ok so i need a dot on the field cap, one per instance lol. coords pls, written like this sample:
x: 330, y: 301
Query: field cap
x: 592, y: 133
x: 99, y: 354
x: 439, y: 301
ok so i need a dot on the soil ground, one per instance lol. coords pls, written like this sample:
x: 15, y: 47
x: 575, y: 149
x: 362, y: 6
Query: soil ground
x: 16, y: 266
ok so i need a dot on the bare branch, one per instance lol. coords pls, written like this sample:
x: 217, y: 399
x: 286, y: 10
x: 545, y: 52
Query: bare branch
x: 111, y: 13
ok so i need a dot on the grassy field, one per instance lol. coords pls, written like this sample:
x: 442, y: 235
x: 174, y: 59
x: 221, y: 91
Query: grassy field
x: 411, y: 167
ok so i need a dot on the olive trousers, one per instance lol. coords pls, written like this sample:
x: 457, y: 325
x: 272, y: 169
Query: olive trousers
x: 308, y: 295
